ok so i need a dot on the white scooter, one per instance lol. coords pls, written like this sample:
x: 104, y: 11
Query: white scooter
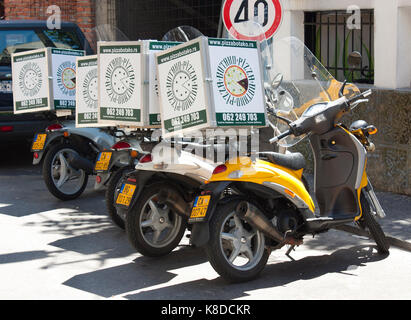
x: 173, y: 171
x: 68, y: 154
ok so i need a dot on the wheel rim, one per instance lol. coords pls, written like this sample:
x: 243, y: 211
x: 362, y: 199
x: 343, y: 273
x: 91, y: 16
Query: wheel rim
x: 159, y: 226
x: 65, y: 178
x: 242, y: 245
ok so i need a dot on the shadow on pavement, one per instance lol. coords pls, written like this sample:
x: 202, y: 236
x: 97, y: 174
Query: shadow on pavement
x: 143, y: 272
x: 25, y: 256
x: 274, y: 275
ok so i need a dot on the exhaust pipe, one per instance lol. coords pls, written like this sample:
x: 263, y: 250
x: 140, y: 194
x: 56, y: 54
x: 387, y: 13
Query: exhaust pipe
x: 255, y: 218
x: 78, y: 162
x: 175, y: 201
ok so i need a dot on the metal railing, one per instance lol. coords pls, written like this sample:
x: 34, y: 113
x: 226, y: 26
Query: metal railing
x: 331, y: 38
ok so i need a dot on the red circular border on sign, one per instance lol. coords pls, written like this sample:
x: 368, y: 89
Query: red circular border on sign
x: 269, y: 33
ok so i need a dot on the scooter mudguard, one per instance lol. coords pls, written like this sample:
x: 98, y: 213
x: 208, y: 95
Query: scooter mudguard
x: 139, y: 179
x: 200, y: 231
x: 117, y: 158
x: 51, y: 136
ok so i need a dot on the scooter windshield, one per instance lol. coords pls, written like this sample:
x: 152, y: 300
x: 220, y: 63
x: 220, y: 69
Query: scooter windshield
x: 182, y: 34
x: 305, y: 81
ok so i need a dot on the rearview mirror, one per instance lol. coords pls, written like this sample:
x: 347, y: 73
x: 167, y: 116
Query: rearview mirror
x: 277, y: 81
x: 354, y: 59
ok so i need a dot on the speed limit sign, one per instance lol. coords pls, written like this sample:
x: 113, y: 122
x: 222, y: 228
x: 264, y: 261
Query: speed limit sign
x: 268, y: 13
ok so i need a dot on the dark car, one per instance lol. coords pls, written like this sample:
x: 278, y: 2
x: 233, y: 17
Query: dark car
x: 22, y: 35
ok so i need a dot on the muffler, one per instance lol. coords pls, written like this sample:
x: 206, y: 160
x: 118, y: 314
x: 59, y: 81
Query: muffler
x: 175, y: 201
x: 252, y: 215
x: 78, y: 162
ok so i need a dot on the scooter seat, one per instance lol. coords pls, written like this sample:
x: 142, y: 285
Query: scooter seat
x: 293, y: 161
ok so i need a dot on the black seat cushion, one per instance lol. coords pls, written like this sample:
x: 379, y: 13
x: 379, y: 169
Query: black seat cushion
x: 293, y: 161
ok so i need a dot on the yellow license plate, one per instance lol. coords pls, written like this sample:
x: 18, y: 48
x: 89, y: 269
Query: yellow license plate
x: 200, y: 207
x: 126, y: 194
x: 39, y: 142
x: 103, y: 161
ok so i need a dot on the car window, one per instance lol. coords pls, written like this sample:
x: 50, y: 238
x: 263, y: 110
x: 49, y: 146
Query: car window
x: 14, y: 41
x: 63, y: 39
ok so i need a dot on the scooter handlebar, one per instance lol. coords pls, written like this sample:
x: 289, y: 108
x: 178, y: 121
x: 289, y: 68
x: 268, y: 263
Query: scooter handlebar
x: 360, y: 96
x: 281, y: 136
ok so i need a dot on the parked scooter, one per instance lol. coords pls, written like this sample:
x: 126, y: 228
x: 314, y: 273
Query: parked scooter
x: 68, y: 154
x: 153, y: 228
x: 112, y: 164
x: 176, y: 171
x: 249, y: 208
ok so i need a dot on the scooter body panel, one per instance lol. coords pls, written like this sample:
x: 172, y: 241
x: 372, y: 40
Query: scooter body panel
x: 98, y: 136
x: 283, y: 180
x: 339, y: 161
x: 170, y: 160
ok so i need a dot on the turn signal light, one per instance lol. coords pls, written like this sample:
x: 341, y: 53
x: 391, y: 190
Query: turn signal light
x: 372, y: 130
x: 146, y: 158
x: 133, y: 154
x: 121, y: 145
x: 220, y: 169
x: 54, y: 127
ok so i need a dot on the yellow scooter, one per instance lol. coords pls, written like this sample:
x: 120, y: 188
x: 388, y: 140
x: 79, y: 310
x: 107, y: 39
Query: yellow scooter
x: 250, y: 207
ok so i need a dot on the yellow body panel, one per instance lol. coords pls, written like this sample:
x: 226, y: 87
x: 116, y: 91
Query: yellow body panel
x: 262, y: 171
x: 364, y: 182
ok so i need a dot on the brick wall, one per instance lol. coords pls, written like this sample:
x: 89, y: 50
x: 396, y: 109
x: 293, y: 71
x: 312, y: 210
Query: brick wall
x: 81, y: 12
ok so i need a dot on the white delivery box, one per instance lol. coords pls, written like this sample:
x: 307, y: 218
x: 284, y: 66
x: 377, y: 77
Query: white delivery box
x: 151, y: 48
x: 128, y: 94
x: 211, y: 83
x: 120, y: 83
x: 44, y: 80
x: 87, y: 92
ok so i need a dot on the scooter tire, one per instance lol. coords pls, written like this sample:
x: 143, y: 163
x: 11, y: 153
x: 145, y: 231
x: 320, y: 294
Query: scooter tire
x: 374, y: 227
x: 110, y: 193
x: 215, y: 251
x: 134, y: 228
x: 48, y: 178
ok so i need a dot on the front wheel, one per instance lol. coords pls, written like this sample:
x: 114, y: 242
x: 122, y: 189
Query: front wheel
x: 368, y: 221
x: 152, y: 227
x: 63, y: 181
x: 236, y: 250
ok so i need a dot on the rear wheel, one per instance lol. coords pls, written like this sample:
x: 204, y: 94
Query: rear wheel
x: 152, y: 227
x: 63, y: 181
x: 368, y: 221
x: 110, y: 192
x: 236, y: 250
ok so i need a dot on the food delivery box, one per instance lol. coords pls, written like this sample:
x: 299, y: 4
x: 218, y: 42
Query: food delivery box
x: 44, y: 80
x: 87, y: 92
x: 128, y: 94
x: 211, y: 83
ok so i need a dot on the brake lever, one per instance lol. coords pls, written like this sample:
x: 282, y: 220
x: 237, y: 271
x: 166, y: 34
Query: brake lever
x: 356, y: 103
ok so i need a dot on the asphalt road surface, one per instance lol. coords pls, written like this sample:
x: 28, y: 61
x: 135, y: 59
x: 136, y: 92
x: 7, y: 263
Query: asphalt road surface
x: 51, y: 249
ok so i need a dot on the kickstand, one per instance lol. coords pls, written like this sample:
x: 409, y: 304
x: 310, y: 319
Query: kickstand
x: 291, y: 248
